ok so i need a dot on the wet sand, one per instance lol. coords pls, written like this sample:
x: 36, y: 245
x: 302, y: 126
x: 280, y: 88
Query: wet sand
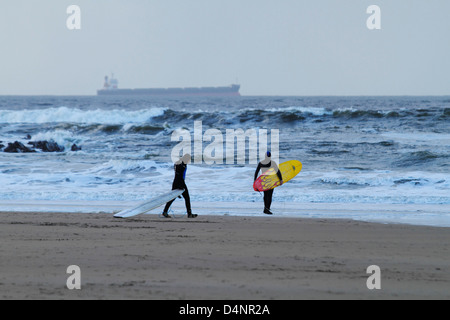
x: 218, y: 257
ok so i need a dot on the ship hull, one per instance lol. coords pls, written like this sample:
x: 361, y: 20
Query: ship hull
x: 231, y: 91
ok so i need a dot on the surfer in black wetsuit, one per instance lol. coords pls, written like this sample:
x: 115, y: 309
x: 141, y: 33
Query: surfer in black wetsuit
x: 180, y: 168
x: 265, y: 165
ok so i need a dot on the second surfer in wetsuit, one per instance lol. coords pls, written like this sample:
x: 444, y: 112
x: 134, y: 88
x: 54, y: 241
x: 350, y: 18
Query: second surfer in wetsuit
x: 180, y: 168
x: 265, y: 165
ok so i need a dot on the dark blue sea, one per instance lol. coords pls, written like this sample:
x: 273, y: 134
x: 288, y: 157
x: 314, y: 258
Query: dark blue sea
x: 357, y: 152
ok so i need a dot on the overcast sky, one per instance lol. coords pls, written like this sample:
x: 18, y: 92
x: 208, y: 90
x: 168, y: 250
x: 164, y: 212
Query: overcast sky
x: 271, y: 47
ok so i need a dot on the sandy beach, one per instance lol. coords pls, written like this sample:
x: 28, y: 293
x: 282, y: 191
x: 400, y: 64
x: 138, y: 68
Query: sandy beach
x: 218, y: 257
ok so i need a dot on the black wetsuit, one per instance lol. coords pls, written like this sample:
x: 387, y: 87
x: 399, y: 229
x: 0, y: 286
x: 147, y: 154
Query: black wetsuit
x: 178, y: 183
x: 269, y: 193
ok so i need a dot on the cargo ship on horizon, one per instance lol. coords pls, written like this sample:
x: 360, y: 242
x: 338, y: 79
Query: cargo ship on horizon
x: 111, y: 88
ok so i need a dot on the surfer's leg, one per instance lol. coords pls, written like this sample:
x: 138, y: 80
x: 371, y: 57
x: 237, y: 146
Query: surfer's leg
x: 168, y: 204
x: 166, y: 209
x: 187, y: 200
x: 268, y: 198
x: 268, y: 201
x: 175, y: 186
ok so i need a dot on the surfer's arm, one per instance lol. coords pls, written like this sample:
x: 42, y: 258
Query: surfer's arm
x: 277, y: 170
x: 280, y: 176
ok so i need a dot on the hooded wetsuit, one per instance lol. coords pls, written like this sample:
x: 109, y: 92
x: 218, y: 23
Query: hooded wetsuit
x: 179, y: 183
x: 269, y: 193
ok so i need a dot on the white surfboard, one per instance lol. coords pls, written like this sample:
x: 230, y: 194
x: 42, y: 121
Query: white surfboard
x: 149, y: 205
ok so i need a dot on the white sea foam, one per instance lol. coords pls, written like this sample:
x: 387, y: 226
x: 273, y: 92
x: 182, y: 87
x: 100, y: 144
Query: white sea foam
x: 419, y: 138
x: 95, y: 178
x: 316, y: 111
x: 132, y: 181
x: 131, y: 166
x: 61, y: 137
x: 67, y: 115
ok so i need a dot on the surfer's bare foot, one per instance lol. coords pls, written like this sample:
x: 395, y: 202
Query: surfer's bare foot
x: 190, y: 215
x: 166, y: 215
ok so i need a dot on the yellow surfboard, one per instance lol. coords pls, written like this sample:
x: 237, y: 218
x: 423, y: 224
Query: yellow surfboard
x: 269, y: 180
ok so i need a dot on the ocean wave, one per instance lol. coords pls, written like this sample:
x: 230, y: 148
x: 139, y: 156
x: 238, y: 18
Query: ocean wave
x: 385, y: 180
x: 352, y: 113
x: 446, y: 113
x: 61, y: 137
x: 131, y: 166
x: 297, y: 113
x: 68, y: 115
x: 110, y: 129
x: 414, y: 113
x: 160, y: 115
x: 315, y: 111
x: 420, y: 158
x: 145, y: 129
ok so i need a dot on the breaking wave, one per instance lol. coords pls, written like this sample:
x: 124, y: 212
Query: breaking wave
x: 66, y: 115
x: 158, y: 116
